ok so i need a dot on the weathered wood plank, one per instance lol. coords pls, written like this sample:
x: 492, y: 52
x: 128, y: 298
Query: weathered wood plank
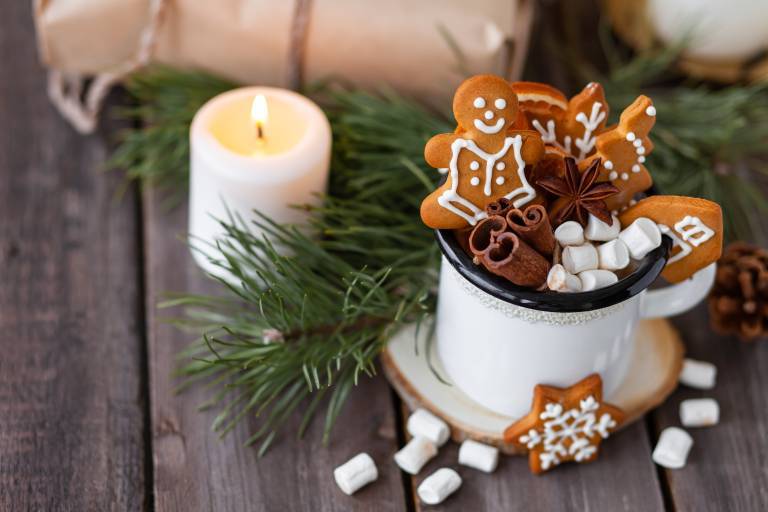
x: 728, y: 463
x: 71, y: 406
x: 622, y: 478
x: 194, y: 470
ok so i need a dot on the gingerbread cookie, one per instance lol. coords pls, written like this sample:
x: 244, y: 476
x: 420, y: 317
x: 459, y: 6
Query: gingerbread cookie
x: 565, y: 424
x: 695, y: 226
x: 623, y: 150
x: 567, y: 127
x: 485, y: 157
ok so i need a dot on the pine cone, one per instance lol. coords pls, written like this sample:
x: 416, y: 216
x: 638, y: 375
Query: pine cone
x: 738, y: 302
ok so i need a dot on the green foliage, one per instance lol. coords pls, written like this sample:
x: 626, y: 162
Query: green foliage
x: 155, y: 151
x: 302, y: 326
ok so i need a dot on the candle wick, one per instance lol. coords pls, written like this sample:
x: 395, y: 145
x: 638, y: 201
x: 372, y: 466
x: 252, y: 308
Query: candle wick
x: 259, y: 131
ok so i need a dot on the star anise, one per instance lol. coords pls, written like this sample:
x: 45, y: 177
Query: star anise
x: 578, y: 194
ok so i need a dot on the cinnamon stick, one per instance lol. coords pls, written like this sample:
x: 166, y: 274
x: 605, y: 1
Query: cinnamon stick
x: 533, y: 226
x: 503, y: 253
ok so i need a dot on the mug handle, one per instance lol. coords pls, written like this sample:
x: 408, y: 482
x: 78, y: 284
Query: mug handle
x: 678, y: 298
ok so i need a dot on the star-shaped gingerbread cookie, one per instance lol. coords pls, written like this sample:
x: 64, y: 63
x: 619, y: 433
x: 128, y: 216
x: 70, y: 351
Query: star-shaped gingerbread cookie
x: 565, y: 424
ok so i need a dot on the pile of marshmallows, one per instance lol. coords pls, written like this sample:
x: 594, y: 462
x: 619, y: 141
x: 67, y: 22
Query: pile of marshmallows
x: 585, y: 266
x: 674, y: 443
x: 428, y: 433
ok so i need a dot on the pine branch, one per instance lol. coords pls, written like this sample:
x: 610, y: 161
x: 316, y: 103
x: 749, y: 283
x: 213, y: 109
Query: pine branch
x: 306, y: 327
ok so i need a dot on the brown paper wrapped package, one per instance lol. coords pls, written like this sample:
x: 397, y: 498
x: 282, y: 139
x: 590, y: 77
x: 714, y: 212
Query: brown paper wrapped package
x: 401, y: 43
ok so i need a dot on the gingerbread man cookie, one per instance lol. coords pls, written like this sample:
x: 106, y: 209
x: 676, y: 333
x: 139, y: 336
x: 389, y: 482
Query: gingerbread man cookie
x: 568, y: 128
x: 695, y: 226
x: 565, y: 424
x: 623, y: 150
x: 485, y: 157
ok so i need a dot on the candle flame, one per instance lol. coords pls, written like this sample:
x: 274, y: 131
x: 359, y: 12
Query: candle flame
x: 259, y: 114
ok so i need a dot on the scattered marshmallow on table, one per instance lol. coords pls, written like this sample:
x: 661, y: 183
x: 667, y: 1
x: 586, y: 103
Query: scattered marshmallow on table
x: 599, y: 231
x: 578, y: 258
x: 560, y: 280
x: 438, y: 486
x: 699, y: 412
x: 698, y: 374
x: 358, y: 471
x: 569, y: 233
x: 412, y: 457
x: 672, y: 449
x: 423, y: 423
x: 641, y: 237
x: 479, y: 456
x: 596, y: 279
x: 613, y: 255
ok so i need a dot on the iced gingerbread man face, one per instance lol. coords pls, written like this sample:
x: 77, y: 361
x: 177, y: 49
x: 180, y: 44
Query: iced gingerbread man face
x: 484, y: 158
x: 485, y: 106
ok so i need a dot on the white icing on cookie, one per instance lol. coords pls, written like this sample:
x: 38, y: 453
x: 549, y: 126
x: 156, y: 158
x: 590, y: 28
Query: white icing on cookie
x: 479, y: 102
x: 490, y: 129
x: 524, y: 193
x: 693, y: 230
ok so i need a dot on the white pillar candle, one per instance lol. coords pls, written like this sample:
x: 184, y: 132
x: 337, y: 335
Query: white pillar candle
x: 254, y: 148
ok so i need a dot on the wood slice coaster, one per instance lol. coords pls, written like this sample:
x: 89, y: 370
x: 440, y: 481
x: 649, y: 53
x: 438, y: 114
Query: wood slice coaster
x: 651, y: 377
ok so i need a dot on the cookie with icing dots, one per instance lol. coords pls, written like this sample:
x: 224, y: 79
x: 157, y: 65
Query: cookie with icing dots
x: 623, y: 150
x: 485, y: 158
x: 695, y: 226
x: 568, y: 128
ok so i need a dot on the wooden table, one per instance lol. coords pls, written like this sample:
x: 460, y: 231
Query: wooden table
x: 88, y: 415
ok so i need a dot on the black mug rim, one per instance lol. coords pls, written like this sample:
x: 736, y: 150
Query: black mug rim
x: 645, y: 274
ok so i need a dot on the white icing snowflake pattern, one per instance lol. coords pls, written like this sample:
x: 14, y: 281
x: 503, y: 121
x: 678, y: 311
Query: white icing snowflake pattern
x: 569, y: 433
x: 585, y: 143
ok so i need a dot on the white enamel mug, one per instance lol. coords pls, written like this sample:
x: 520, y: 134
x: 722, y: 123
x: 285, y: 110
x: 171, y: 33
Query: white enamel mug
x: 497, y: 341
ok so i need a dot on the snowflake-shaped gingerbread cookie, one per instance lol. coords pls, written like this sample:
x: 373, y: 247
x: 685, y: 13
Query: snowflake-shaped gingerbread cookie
x: 565, y: 424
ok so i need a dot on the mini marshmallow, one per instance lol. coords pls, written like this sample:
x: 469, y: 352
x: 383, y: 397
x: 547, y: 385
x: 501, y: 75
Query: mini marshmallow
x: 412, y: 457
x: 479, y: 456
x: 560, y: 280
x: 599, y: 231
x: 641, y: 237
x: 569, y: 233
x: 596, y: 279
x: 357, y: 472
x: 672, y: 449
x: 438, y: 486
x: 613, y: 255
x: 578, y: 258
x: 699, y: 412
x: 423, y: 423
x: 698, y: 374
